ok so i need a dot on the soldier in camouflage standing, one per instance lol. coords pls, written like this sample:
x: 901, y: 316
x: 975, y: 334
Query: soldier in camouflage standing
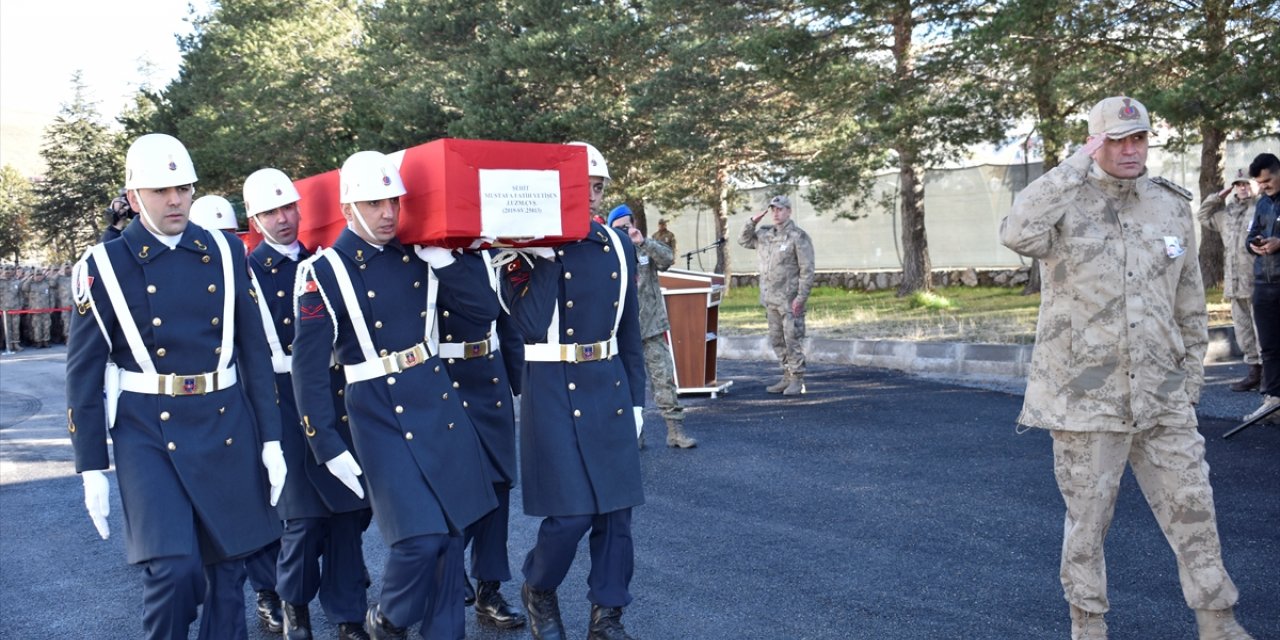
x: 653, y: 256
x: 1229, y: 212
x: 62, y: 300
x: 786, y: 276
x: 1119, y: 361
x: 10, y: 301
x: 37, y: 294
x: 664, y: 235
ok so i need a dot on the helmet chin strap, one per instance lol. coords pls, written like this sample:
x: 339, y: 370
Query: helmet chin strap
x: 363, y: 225
x: 262, y: 228
x: 148, y: 222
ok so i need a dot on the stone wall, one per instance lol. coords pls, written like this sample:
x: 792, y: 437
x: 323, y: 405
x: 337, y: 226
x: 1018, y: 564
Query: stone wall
x: 882, y: 279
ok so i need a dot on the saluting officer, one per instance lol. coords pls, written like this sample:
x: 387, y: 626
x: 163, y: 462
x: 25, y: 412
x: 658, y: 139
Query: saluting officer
x: 367, y: 301
x: 580, y: 416
x: 167, y: 310
x: 322, y: 516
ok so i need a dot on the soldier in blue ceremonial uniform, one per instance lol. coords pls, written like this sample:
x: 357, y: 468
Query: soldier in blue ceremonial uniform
x: 167, y: 311
x: 580, y: 417
x: 475, y: 357
x: 366, y: 300
x: 322, y: 515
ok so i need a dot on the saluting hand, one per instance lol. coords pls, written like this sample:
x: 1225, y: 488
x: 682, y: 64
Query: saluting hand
x: 637, y: 238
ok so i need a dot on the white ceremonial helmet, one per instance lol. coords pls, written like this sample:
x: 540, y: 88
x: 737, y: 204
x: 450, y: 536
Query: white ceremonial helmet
x: 266, y: 190
x: 369, y: 175
x: 157, y: 161
x: 596, y: 166
x: 214, y: 212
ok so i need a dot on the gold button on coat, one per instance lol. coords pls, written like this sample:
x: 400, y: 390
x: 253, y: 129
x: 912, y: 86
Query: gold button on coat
x: 155, y: 322
x: 213, y: 288
x: 573, y: 385
x: 229, y: 442
x: 568, y: 331
x: 408, y: 435
x: 399, y: 409
x: 151, y: 288
x: 160, y: 352
x: 279, y: 294
x: 164, y: 415
x: 205, y: 259
x: 172, y: 446
x: 373, y: 294
x: 577, y: 413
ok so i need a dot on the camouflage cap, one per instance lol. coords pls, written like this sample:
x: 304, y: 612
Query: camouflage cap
x: 1118, y: 117
x: 1239, y: 175
x: 782, y: 202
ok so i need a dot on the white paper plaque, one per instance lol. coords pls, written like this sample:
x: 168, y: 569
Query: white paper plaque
x: 519, y: 203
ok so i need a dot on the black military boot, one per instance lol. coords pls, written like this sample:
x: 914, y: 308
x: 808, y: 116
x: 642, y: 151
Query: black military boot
x: 606, y: 624
x: 351, y: 631
x: 544, y: 613
x: 492, y: 608
x: 379, y: 628
x: 269, y: 611
x: 297, y: 621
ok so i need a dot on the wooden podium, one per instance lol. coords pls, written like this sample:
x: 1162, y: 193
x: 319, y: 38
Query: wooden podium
x: 693, y: 307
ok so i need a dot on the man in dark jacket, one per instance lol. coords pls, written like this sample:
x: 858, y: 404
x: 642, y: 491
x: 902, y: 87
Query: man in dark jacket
x: 1264, y: 242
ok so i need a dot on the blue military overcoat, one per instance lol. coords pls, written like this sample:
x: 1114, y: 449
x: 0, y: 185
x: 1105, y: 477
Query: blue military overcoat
x: 482, y: 381
x: 424, y: 465
x: 312, y: 491
x: 184, y: 455
x: 578, y: 453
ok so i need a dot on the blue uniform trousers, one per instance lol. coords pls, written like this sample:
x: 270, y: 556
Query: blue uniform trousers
x: 174, y: 586
x: 612, y: 555
x: 341, y: 583
x: 261, y: 567
x: 488, y: 540
x: 223, y: 615
x: 421, y: 583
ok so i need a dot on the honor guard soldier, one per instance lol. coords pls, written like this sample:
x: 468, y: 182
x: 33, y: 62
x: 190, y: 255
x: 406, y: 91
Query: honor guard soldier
x: 322, y: 516
x: 1119, y: 362
x: 580, y: 416
x: 369, y: 301
x: 167, y: 311
x: 475, y: 357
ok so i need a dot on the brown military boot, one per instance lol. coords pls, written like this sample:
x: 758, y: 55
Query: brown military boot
x: 781, y: 385
x: 1087, y: 626
x: 676, y: 436
x: 1220, y: 624
x: 1251, y: 380
x: 796, y: 386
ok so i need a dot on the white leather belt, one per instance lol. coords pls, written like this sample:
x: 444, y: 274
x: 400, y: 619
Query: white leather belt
x: 387, y: 365
x: 468, y: 350
x: 571, y: 352
x: 282, y: 363
x: 177, y: 384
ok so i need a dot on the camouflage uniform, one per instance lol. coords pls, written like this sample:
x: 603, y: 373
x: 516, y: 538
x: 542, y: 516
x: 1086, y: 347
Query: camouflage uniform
x: 1117, y: 367
x: 63, y: 300
x: 665, y: 236
x: 11, y: 300
x: 38, y: 294
x: 654, y: 256
x: 786, y: 274
x: 1231, y: 219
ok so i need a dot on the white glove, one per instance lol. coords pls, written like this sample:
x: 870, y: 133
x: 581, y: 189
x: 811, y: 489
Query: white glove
x: 345, y: 468
x: 437, y: 257
x: 97, y: 499
x: 639, y: 412
x: 542, y: 252
x: 273, y: 460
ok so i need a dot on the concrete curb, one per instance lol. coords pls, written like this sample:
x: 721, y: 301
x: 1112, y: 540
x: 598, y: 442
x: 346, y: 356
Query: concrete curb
x: 982, y: 361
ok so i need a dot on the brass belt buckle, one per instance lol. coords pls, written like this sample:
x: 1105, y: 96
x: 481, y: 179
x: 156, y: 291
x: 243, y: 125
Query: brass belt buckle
x: 475, y: 349
x: 411, y: 357
x: 589, y: 352
x: 181, y: 385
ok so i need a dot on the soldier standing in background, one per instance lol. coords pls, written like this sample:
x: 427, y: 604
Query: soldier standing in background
x: 664, y: 235
x: 63, y: 301
x: 1119, y: 361
x: 1229, y: 213
x: 653, y: 256
x: 10, y: 301
x: 37, y: 294
x: 786, y: 277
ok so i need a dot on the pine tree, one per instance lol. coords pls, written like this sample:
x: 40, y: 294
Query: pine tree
x: 16, y: 202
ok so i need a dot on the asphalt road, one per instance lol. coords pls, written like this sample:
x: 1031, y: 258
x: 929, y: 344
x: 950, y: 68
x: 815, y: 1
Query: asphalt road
x: 878, y: 506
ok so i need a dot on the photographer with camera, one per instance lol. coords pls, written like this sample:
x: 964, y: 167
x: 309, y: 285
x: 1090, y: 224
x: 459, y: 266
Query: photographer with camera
x: 120, y: 214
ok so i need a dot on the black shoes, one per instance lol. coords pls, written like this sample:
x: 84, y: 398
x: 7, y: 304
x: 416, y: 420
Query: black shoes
x: 351, y: 631
x: 492, y: 608
x: 606, y: 624
x: 379, y: 628
x: 297, y: 621
x: 269, y: 611
x: 1250, y: 381
x: 544, y: 613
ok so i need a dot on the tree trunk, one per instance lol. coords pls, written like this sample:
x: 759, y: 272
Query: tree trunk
x: 916, y: 268
x: 722, y: 224
x: 1211, y: 152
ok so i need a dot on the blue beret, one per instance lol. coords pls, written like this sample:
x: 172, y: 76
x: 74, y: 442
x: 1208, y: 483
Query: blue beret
x: 620, y: 211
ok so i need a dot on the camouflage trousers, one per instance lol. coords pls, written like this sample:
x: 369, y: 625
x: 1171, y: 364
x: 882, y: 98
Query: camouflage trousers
x: 1171, y: 471
x: 786, y: 336
x: 1246, y: 336
x: 14, y: 327
x: 662, y: 377
x: 41, y: 327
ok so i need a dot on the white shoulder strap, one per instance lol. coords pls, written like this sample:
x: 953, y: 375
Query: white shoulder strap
x: 430, y: 328
x: 228, y: 300
x: 493, y: 284
x: 124, y: 318
x: 354, y: 312
x: 82, y: 295
x: 623, y: 276
x: 268, y: 322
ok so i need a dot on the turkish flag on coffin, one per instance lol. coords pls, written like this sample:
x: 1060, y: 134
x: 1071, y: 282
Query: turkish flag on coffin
x: 507, y: 193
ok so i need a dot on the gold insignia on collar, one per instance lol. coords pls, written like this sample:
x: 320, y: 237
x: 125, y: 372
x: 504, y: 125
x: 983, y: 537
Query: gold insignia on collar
x: 146, y: 250
x: 269, y: 259
x: 200, y: 245
x: 359, y: 255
